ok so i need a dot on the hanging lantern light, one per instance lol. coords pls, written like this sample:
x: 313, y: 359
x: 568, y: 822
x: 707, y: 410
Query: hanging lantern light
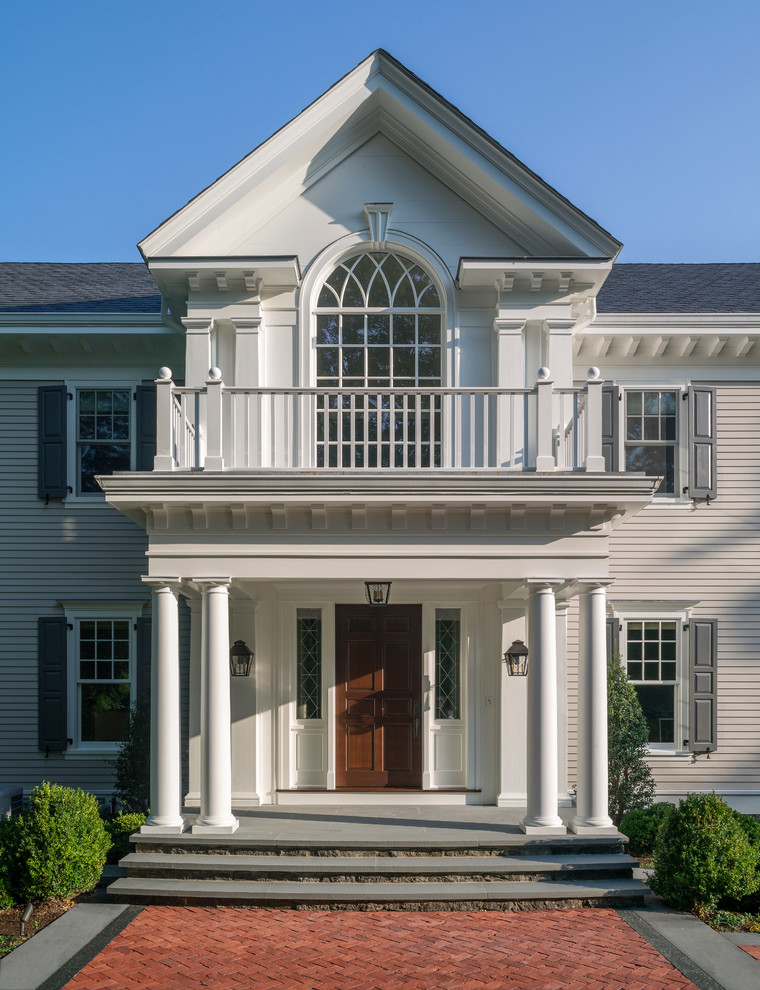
x: 516, y: 659
x: 241, y: 659
x: 378, y: 592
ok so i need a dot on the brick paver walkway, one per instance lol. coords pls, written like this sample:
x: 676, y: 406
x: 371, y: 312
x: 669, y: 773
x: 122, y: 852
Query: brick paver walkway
x: 752, y: 950
x: 187, y: 948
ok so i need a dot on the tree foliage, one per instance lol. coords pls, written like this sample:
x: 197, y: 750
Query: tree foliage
x: 132, y: 765
x: 630, y: 780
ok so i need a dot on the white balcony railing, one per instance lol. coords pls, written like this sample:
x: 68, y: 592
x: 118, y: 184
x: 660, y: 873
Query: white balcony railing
x: 220, y: 428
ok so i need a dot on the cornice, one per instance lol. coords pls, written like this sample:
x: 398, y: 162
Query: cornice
x: 70, y: 323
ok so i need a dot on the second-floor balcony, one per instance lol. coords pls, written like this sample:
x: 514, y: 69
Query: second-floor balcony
x: 221, y: 428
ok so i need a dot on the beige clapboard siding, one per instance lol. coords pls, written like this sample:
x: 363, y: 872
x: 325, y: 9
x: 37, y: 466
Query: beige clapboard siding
x: 50, y: 553
x: 711, y: 555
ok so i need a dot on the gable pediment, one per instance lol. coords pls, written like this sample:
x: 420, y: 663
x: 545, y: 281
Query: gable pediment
x: 379, y: 106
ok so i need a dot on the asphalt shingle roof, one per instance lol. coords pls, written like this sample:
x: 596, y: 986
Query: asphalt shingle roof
x: 128, y: 287
x: 662, y: 288
x: 100, y: 287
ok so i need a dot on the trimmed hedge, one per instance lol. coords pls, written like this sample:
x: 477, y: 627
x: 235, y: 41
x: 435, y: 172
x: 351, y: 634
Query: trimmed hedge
x: 119, y: 829
x: 703, y: 855
x: 62, y: 843
x: 642, y: 826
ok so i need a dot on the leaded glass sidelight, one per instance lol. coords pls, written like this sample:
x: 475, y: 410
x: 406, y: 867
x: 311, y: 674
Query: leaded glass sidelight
x: 448, y: 629
x: 379, y: 326
x: 309, y: 663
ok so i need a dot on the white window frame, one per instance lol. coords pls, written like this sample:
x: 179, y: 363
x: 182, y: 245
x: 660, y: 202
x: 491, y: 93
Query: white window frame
x: 663, y: 611
x: 72, y: 430
x: 681, y: 473
x: 77, y: 612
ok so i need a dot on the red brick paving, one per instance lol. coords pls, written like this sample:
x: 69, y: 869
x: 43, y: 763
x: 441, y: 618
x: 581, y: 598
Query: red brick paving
x: 753, y: 950
x: 167, y: 948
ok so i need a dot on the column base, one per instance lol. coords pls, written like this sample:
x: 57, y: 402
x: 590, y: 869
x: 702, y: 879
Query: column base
x: 532, y: 827
x: 163, y: 828
x: 200, y: 829
x: 583, y: 826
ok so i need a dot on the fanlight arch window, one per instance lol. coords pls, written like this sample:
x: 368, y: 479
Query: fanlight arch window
x: 379, y: 342
x: 379, y: 323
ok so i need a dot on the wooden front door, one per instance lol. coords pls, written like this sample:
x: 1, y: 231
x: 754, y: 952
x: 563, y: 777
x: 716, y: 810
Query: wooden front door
x: 379, y: 696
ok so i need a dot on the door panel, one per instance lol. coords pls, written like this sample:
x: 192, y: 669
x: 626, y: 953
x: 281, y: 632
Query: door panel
x: 379, y: 695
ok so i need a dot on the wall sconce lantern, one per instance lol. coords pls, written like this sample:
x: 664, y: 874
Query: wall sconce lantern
x: 516, y: 659
x: 241, y: 659
x: 378, y: 592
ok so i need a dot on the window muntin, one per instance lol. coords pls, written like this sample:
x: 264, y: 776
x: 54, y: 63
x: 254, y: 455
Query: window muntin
x: 379, y: 324
x: 104, y: 679
x: 103, y: 435
x: 651, y: 435
x: 309, y: 663
x: 448, y: 662
x: 652, y: 667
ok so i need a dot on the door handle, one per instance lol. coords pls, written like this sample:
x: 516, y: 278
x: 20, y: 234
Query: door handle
x: 417, y: 720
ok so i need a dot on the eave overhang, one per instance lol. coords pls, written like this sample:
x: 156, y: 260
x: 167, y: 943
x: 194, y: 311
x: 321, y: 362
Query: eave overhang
x: 611, y: 497
x: 177, y: 278
x: 531, y: 277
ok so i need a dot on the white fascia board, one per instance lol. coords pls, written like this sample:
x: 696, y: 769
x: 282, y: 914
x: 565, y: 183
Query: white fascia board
x: 440, y: 136
x: 71, y: 324
x: 694, y: 324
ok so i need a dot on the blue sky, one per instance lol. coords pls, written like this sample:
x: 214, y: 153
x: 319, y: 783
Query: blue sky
x: 644, y: 114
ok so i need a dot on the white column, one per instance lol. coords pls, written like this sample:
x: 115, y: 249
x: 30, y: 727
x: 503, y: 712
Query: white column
x: 591, y: 811
x: 165, y: 766
x: 216, y: 766
x: 542, y: 785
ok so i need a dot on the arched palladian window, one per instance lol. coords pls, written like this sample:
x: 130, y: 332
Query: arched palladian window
x: 379, y: 328
x: 379, y: 320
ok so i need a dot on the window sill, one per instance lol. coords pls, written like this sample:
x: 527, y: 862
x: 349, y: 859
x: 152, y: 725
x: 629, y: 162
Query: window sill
x: 89, y: 754
x: 670, y: 502
x: 671, y: 754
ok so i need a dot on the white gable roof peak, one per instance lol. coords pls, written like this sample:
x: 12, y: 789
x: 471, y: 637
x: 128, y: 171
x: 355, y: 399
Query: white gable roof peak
x: 379, y: 96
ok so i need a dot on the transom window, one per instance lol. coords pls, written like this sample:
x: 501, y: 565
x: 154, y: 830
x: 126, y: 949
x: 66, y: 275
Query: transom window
x: 651, y: 435
x: 378, y: 324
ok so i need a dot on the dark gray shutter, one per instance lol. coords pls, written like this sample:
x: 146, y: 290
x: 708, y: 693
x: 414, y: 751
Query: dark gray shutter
x: 703, y: 677
x: 702, y: 447
x: 52, y: 683
x: 144, y: 641
x: 145, y: 427
x: 610, y: 427
x: 51, y: 441
x: 613, y: 638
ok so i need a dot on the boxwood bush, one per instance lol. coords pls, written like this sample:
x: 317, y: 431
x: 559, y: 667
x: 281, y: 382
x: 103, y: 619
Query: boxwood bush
x: 119, y: 829
x: 62, y: 843
x: 703, y: 855
x: 642, y: 826
x: 9, y: 892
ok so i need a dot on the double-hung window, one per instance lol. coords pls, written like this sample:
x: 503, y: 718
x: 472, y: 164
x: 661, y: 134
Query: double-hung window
x: 651, y: 435
x: 652, y: 663
x: 86, y: 430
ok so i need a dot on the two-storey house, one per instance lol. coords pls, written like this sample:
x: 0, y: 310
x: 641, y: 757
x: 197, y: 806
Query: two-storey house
x: 409, y: 416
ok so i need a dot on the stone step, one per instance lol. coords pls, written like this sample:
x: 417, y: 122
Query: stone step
x: 374, y: 896
x: 367, y: 869
x: 243, y: 844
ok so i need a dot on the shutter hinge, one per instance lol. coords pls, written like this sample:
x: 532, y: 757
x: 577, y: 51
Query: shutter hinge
x: 70, y: 396
x: 685, y: 395
x: 70, y: 625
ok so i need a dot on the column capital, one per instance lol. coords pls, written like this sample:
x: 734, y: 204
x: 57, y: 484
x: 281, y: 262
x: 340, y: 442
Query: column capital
x: 210, y: 583
x: 507, y: 325
x: 197, y: 324
x: 587, y: 585
x: 161, y: 583
x: 246, y: 324
x: 544, y: 584
x: 557, y: 324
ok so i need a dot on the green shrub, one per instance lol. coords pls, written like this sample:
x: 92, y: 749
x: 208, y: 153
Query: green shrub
x: 62, y: 843
x: 703, y: 855
x: 119, y: 829
x: 132, y: 766
x: 642, y: 826
x: 9, y: 832
x: 630, y: 780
